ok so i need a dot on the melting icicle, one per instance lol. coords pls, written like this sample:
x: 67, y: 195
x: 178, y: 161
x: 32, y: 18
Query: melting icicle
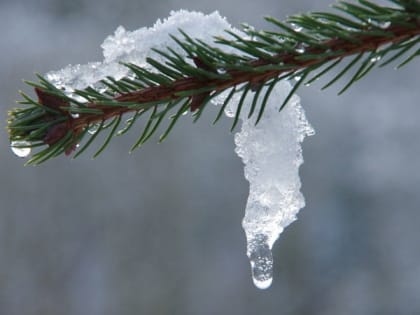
x: 20, y: 148
x: 272, y: 154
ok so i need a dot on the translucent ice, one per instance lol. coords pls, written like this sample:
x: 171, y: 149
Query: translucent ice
x: 272, y: 154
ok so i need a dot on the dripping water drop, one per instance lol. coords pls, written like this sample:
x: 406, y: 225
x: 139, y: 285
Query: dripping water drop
x: 20, y: 148
x: 375, y: 59
x: 380, y: 24
x: 93, y: 128
x: 300, y: 49
x: 384, y: 24
x: 296, y: 28
x: 76, y: 97
x: 261, y: 260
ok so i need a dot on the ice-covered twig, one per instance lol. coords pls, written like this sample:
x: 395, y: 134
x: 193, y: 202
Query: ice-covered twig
x: 272, y: 154
x: 164, y: 73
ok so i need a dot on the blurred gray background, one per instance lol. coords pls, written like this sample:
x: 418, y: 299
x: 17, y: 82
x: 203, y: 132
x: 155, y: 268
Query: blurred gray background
x: 159, y: 231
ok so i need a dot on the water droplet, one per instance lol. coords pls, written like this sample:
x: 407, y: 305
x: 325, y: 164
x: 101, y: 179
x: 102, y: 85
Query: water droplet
x: 73, y: 111
x: 297, y: 77
x: 296, y: 28
x: 261, y: 259
x: 77, y: 97
x: 375, y: 59
x: 300, y: 50
x: 21, y: 148
x: 385, y: 24
x: 229, y: 112
x: 380, y: 24
x: 93, y: 128
x: 309, y: 131
x: 100, y: 87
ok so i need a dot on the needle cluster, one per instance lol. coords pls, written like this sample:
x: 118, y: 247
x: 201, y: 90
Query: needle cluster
x: 355, y: 39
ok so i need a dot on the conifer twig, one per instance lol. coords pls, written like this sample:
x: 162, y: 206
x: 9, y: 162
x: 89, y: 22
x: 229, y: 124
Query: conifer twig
x: 304, y: 44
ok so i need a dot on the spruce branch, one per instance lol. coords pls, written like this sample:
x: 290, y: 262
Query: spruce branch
x: 304, y: 47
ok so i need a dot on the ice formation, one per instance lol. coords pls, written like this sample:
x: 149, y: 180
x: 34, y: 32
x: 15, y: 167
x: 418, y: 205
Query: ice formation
x: 271, y: 150
x: 272, y: 154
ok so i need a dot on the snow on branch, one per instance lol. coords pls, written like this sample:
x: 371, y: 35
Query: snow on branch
x: 190, y: 60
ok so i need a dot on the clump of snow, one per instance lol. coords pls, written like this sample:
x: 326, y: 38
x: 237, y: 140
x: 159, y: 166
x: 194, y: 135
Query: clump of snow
x: 272, y: 154
x: 135, y: 47
x: 271, y: 150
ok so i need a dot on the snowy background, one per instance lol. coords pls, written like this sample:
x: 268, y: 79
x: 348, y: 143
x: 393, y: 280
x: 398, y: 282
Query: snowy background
x: 158, y: 231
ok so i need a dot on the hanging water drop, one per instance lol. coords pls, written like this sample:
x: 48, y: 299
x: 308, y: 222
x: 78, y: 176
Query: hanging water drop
x: 380, y: 24
x: 20, y: 148
x: 77, y: 97
x: 300, y: 49
x: 261, y: 259
x: 375, y: 59
x: 100, y: 87
x: 384, y: 24
x: 296, y: 28
x: 93, y: 128
x: 229, y: 111
x: 73, y: 111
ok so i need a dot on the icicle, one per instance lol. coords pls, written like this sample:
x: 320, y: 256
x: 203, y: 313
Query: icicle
x: 272, y: 154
